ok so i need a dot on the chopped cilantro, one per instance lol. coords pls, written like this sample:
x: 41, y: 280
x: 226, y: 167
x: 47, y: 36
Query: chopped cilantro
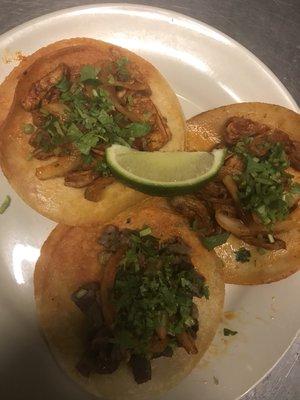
x: 91, y: 120
x: 111, y: 80
x: 4, y: 206
x: 28, y: 129
x: 103, y: 168
x: 146, y: 231
x: 154, y: 287
x: 210, y: 242
x: 295, y: 188
x: 261, y: 251
x: 264, y: 183
x: 229, y: 332
x: 242, y: 255
x: 122, y: 70
x: 88, y: 73
x: 63, y: 85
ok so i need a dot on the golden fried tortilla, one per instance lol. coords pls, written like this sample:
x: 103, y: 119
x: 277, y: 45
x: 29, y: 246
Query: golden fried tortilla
x: 204, y: 131
x: 51, y: 197
x: 69, y: 258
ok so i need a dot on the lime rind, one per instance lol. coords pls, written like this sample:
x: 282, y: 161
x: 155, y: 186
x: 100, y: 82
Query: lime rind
x: 160, y: 188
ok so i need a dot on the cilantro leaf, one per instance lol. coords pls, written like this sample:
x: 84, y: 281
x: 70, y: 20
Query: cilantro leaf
x: 295, y: 188
x: 6, y: 203
x: 154, y: 287
x: 89, y: 73
x: 210, y: 242
x: 242, y: 255
x: 28, y: 129
x: 229, y: 332
x: 264, y: 184
x: 63, y: 85
x: 136, y: 129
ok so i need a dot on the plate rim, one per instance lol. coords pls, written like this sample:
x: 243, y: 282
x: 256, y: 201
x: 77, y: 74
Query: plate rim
x: 167, y: 13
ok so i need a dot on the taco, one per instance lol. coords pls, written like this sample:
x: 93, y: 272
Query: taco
x: 69, y: 101
x: 249, y: 213
x: 128, y: 309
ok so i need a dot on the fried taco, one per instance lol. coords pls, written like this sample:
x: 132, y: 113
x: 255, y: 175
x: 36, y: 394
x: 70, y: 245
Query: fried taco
x: 62, y: 106
x: 249, y: 213
x: 129, y: 308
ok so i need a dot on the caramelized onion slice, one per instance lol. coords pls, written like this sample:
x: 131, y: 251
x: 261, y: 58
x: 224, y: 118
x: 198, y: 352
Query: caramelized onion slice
x: 58, y: 168
x: 59, y: 110
x: 232, y: 225
x: 79, y: 179
x: 187, y: 342
x: 231, y: 186
x: 95, y: 190
x: 108, y: 281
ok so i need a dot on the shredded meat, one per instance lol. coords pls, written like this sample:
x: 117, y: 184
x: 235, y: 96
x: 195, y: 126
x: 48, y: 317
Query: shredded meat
x: 294, y: 155
x: 196, y: 210
x: 237, y: 128
x: 79, y: 179
x: 232, y: 166
x: 40, y: 88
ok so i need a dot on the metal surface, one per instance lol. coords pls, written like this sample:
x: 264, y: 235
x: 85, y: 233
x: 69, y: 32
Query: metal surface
x: 271, y: 30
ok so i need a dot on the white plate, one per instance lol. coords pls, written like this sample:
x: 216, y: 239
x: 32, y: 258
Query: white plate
x: 206, y: 69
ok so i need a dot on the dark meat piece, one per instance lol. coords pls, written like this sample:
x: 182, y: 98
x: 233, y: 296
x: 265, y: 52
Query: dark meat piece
x: 40, y: 88
x: 259, y: 146
x: 108, y: 359
x: 38, y: 119
x: 168, y: 352
x: 38, y: 138
x: 51, y: 96
x: 186, y: 340
x: 79, y: 179
x: 94, y: 192
x: 87, y: 300
x: 194, y: 209
x: 294, y: 155
x: 214, y: 191
x: 175, y: 246
x: 233, y: 166
x: 87, y: 363
x: 237, y: 128
x: 110, y: 238
x: 141, y: 368
x: 40, y: 154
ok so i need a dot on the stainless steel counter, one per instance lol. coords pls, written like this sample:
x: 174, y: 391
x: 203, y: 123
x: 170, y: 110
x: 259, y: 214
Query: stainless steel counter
x: 271, y: 30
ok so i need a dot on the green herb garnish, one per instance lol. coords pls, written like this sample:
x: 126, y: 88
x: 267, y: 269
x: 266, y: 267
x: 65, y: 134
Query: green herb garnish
x: 295, y: 188
x: 146, y: 231
x: 210, y: 242
x: 91, y: 120
x: 63, y: 85
x: 154, y: 287
x: 89, y: 73
x: 242, y: 255
x: 122, y: 70
x: 28, y: 129
x: 4, y: 206
x: 229, y: 332
x: 264, y: 183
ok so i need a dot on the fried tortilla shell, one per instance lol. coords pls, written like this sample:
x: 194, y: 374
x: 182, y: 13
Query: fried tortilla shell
x: 51, y: 197
x: 69, y: 258
x: 204, y: 131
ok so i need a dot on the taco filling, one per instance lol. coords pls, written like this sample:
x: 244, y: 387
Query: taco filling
x: 78, y: 111
x: 254, y: 192
x: 143, y: 307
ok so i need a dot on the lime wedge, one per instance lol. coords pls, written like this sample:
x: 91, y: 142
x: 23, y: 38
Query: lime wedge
x: 163, y: 173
